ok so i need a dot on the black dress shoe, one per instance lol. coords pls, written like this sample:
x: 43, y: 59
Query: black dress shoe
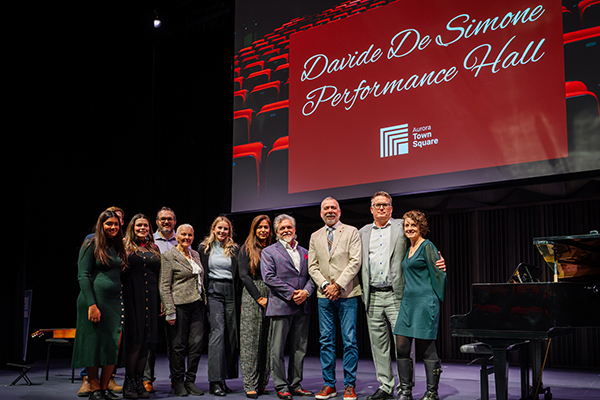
x: 380, y: 395
x: 215, y: 389
x: 179, y: 389
x: 225, y: 388
x: 302, y: 392
x: 110, y: 395
x: 96, y: 395
x: 284, y: 395
x: 193, y: 389
x: 262, y: 391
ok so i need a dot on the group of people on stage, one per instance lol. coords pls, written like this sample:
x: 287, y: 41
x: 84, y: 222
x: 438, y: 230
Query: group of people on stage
x: 257, y: 298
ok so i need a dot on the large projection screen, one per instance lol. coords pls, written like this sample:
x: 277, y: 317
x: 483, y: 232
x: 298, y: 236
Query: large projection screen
x: 342, y: 99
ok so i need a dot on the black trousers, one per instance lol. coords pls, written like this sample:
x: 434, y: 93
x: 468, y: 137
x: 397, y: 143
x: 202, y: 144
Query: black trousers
x: 186, y: 338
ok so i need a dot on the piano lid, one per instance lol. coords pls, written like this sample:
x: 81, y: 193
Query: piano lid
x: 575, y: 257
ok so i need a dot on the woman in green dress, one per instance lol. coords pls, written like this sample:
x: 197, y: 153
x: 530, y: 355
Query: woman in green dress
x: 419, y: 313
x: 99, y: 306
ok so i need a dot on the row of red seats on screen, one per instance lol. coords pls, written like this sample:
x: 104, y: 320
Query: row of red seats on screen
x: 584, y: 14
x: 247, y: 159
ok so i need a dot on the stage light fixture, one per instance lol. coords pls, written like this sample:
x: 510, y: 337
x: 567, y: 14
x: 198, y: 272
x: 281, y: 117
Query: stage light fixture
x: 157, y: 22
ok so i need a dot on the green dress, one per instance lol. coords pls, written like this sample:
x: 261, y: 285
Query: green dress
x: 419, y: 313
x: 97, y: 344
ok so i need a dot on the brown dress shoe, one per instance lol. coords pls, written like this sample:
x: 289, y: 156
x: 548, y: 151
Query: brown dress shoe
x: 149, y: 387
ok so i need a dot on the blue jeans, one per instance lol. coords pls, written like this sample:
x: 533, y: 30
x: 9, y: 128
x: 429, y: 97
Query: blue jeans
x: 329, y: 311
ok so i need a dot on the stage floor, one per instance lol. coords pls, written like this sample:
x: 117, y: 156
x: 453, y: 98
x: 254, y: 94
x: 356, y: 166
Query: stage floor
x: 458, y: 382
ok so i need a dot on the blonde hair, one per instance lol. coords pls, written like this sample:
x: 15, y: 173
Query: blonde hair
x: 229, y: 246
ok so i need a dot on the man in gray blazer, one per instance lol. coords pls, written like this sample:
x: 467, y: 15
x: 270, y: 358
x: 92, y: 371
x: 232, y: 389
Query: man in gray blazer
x: 333, y: 263
x: 383, y: 248
x: 284, y: 267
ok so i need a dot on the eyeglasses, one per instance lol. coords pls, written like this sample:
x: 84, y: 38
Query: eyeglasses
x: 381, y: 205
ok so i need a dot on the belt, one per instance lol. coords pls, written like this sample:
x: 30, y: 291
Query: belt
x: 381, y: 289
x: 220, y: 280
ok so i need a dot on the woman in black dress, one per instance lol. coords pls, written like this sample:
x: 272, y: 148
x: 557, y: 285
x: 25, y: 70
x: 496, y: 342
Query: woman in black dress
x: 141, y: 301
x: 99, y: 304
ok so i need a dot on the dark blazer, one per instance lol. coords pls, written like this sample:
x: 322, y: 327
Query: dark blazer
x: 178, y: 285
x: 234, y: 271
x: 283, y: 279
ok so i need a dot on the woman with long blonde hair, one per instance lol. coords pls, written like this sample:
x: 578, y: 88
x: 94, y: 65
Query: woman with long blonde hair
x: 218, y: 253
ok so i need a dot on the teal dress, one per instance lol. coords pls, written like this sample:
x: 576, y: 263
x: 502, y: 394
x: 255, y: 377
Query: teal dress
x: 97, y: 344
x: 419, y: 314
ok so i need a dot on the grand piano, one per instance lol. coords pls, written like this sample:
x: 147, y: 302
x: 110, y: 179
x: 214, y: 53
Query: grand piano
x: 526, y: 313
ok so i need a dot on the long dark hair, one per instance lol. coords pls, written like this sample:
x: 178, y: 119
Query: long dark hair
x: 131, y: 241
x: 253, y: 245
x: 101, y: 242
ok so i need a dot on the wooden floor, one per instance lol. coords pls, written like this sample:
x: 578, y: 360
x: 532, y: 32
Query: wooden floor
x: 458, y: 382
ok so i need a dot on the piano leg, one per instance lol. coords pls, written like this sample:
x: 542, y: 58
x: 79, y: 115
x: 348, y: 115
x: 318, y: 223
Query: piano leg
x: 500, y: 372
x: 537, y: 357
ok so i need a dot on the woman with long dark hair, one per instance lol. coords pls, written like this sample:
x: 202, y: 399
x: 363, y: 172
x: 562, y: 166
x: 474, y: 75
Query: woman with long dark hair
x: 218, y: 253
x: 99, y: 304
x: 141, y: 302
x: 255, y: 346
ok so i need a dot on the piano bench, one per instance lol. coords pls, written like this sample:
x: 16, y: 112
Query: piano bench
x: 484, y: 350
x: 481, y: 349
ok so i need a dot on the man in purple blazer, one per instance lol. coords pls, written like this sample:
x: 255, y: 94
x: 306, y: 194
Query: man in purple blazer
x: 284, y: 267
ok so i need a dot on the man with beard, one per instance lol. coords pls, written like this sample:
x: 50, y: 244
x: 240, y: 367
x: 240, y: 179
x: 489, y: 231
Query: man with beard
x: 164, y: 238
x: 284, y: 267
x: 334, y: 258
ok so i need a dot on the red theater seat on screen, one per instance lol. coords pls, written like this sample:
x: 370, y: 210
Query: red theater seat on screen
x: 242, y: 121
x: 277, y: 167
x: 580, y: 47
x: 271, y: 123
x: 281, y: 73
x: 246, y: 167
x: 239, y: 98
x: 589, y: 13
x: 253, y: 67
x: 263, y: 94
x: 570, y: 20
x: 257, y: 78
x: 276, y: 61
x: 583, y: 119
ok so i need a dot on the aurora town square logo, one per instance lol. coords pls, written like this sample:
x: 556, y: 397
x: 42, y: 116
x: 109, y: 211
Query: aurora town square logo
x: 393, y: 141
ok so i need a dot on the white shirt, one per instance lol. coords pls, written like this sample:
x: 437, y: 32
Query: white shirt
x: 293, y: 252
x: 379, y: 255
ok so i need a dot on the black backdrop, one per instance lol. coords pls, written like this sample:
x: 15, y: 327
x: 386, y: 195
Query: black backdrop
x: 118, y: 114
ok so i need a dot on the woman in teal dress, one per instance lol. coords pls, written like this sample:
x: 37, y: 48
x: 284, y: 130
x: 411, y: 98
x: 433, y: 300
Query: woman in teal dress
x: 420, y: 308
x: 99, y: 307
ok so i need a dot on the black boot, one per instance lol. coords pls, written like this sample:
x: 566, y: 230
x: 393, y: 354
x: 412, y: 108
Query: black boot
x: 129, y: 391
x: 405, y: 375
x: 433, y: 369
x: 140, y: 389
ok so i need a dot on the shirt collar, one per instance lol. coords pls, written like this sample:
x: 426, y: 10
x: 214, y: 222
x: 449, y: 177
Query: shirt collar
x: 288, y: 246
x: 383, y: 227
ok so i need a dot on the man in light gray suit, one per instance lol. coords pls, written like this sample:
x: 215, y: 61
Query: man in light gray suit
x: 383, y: 248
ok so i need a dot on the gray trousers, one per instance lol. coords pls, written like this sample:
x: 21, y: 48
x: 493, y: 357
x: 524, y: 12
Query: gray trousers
x: 292, y: 328
x: 381, y: 318
x: 223, y: 335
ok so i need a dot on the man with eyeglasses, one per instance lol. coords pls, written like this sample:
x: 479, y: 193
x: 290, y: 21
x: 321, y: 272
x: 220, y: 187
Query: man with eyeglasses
x: 383, y: 248
x: 164, y: 238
